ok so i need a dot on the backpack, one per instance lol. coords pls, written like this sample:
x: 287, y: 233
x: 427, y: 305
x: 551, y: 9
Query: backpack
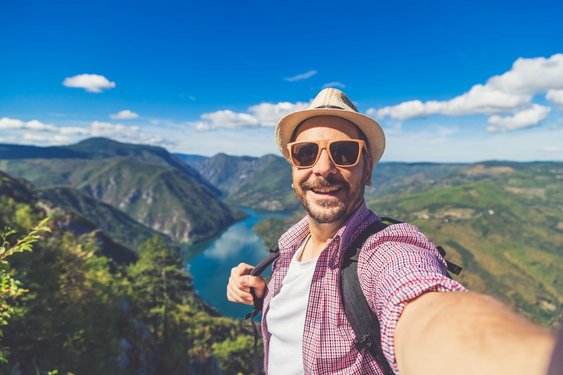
x: 361, y: 317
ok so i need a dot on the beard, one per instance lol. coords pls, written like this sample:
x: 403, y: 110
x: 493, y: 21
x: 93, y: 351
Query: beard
x: 325, y: 211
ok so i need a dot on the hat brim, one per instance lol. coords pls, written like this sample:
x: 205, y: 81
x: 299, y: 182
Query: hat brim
x: 371, y: 129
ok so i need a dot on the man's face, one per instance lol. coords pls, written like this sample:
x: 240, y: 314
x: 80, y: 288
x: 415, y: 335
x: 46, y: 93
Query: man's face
x: 329, y: 193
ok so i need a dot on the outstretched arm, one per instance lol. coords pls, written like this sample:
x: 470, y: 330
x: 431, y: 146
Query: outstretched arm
x: 468, y: 333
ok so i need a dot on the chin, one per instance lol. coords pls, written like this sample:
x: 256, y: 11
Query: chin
x: 325, y: 212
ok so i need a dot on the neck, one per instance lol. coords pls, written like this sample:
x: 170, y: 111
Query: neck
x: 321, y: 235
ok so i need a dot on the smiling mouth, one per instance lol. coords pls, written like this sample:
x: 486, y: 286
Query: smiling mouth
x: 330, y: 190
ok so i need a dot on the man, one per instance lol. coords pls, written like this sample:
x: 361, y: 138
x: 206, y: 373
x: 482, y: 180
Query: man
x: 424, y: 330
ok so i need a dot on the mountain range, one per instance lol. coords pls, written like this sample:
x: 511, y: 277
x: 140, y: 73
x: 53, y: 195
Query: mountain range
x: 502, y: 221
x: 147, y: 183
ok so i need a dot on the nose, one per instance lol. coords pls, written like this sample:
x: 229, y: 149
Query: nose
x: 324, y: 165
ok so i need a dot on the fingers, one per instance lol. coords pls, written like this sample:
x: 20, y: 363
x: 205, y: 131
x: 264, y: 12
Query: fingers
x: 255, y: 282
x: 240, y: 296
x: 238, y: 289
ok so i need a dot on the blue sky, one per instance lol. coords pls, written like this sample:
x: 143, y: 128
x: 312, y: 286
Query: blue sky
x: 448, y: 81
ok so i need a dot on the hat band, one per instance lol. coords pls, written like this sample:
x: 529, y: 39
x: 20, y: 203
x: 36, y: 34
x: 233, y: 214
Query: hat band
x: 330, y: 107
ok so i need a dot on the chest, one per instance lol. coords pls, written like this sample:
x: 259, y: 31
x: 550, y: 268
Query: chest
x: 322, y: 303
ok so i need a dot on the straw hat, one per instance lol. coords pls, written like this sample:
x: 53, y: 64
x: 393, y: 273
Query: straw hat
x: 332, y: 102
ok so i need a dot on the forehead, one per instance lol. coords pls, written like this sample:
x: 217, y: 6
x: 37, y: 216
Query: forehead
x: 322, y: 128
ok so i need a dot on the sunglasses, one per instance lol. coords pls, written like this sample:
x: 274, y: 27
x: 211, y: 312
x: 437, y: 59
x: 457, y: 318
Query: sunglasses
x: 342, y: 153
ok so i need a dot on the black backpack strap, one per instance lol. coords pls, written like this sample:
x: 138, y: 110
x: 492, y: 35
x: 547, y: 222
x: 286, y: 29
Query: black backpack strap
x: 452, y: 267
x: 257, y: 271
x: 361, y: 317
x: 259, y: 302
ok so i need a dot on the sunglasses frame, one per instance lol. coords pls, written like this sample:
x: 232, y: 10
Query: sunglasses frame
x: 325, y: 145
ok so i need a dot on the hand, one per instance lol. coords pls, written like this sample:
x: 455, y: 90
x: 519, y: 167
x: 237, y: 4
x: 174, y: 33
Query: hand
x: 240, y: 282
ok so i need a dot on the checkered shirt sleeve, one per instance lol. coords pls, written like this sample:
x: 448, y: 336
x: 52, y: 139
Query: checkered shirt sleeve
x: 396, y: 266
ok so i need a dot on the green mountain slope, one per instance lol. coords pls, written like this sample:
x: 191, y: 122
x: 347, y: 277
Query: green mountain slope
x: 389, y: 178
x: 99, y: 148
x: 504, y: 225
x: 177, y: 200
x: 161, y: 198
x: 112, y: 221
x: 108, y: 148
x: 259, y: 183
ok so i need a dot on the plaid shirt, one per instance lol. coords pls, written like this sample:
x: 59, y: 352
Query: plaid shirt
x: 395, y: 266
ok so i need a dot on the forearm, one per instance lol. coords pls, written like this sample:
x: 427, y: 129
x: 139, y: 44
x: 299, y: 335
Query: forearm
x: 468, y: 333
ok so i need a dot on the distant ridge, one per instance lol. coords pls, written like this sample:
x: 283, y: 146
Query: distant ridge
x: 147, y: 183
x: 116, y: 223
x: 261, y: 183
x: 10, y: 151
x: 102, y: 148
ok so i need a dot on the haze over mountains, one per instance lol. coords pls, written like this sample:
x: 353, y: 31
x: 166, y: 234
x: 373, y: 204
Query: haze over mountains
x: 502, y: 221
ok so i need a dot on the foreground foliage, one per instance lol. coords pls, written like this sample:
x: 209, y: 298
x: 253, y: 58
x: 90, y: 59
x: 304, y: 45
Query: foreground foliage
x: 88, y: 314
x: 10, y: 288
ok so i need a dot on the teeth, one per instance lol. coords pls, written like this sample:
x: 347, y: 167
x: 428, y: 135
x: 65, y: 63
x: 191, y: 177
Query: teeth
x: 328, y: 190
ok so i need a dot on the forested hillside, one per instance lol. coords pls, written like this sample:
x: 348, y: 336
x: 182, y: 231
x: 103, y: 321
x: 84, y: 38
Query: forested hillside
x: 90, y: 310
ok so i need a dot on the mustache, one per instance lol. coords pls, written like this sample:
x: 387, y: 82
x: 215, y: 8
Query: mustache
x: 322, y: 182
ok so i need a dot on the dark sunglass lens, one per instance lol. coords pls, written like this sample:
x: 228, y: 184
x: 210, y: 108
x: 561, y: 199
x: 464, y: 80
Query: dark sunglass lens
x: 345, y: 152
x: 304, y: 154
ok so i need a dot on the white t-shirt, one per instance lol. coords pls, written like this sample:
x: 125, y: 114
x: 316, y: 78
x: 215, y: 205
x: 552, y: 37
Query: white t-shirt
x: 286, y: 317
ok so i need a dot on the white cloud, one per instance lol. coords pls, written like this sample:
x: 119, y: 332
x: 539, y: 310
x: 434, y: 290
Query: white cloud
x: 529, y: 76
x: 90, y: 82
x: 510, y: 93
x: 124, y: 115
x: 334, y: 84
x: 268, y: 114
x: 96, y: 128
x: 556, y: 97
x: 426, y: 144
x: 225, y: 119
x: 35, y: 131
x: 524, y: 119
x: 8, y: 139
x: 302, y: 76
x: 15, y: 124
x: 259, y: 115
x: 479, y: 99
